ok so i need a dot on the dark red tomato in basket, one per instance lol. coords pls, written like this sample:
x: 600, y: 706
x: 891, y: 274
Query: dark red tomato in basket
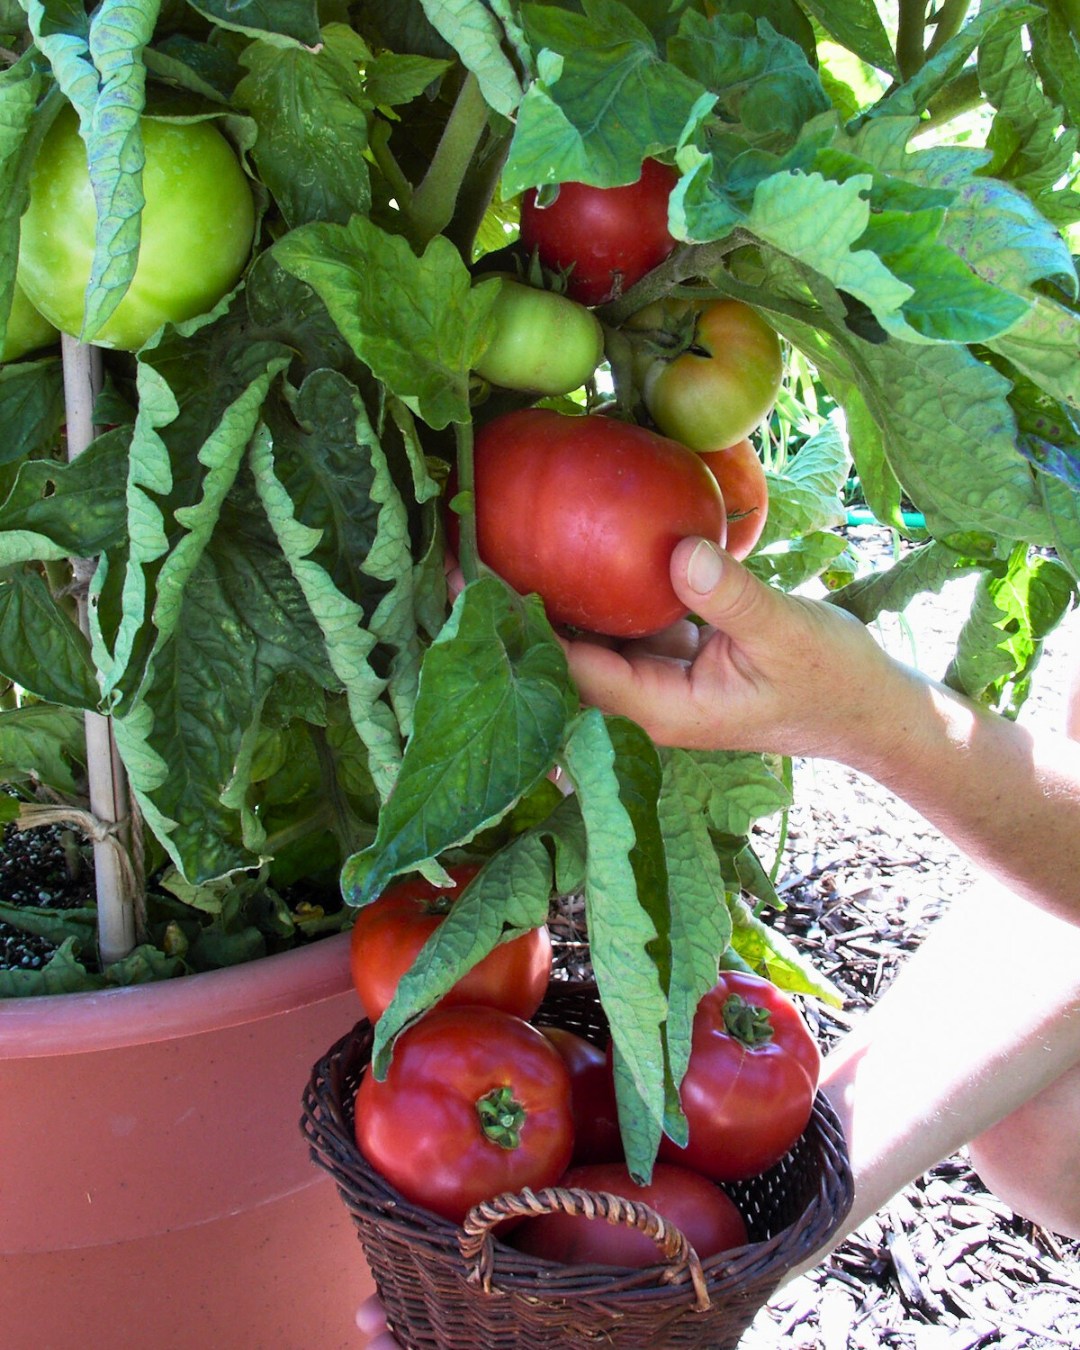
x: 748, y: 1091
x: 585, y: 511
x: 604, y: 239
x: 388, y: 934
x: 475, y: 1102
x: 708, y: 1218
x: 592, y: 1097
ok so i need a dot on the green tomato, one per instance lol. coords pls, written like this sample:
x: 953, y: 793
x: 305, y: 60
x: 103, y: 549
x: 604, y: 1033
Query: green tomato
x: 544, y: 343
x: 27, y: 330
x: 197, y: 227
x: 724, y: 384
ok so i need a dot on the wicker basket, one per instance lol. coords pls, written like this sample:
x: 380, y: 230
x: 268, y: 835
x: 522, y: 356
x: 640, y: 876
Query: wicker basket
x: 451, y: 1288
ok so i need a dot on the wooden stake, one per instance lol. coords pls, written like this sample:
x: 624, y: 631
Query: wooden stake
x: 117, y: 880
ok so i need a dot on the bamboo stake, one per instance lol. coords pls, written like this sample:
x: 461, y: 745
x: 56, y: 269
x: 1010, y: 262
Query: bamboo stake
x: 117, y: 882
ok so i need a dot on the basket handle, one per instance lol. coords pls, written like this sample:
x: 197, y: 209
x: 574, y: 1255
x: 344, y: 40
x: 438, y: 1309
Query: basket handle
x: 476, y: 1242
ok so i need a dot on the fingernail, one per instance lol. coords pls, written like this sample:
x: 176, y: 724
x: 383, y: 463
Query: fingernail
x: 704, y: 568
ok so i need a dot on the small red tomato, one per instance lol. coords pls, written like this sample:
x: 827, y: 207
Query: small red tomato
x: 605, y: 239
x: 592, y: 1097
x: 707, y: 1217
x: 388, y: 934
x: 749, y: 1088
x: 745, y: 489
x: 475, y: 1102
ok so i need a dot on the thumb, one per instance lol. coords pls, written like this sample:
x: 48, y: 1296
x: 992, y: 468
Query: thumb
x: 720, y: 590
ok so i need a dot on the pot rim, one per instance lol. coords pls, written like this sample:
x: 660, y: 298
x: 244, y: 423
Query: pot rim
x: 60, y: 1024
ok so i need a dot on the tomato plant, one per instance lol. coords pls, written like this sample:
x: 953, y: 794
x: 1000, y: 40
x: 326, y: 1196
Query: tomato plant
x: 745, y: 489
x: 586, y: 511
x: 197, y: 228
x: 708, y: 1218
x: 717, y: 389
x: 475, y: 1102
x: 749, y: 1088
x: 592, y: 1097
x: 389, y: 933
x: 604, y: 239
x: 544, y: 343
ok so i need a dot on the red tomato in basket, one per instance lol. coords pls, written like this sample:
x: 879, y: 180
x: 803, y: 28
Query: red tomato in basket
x: 388, y: 934
x: 592, y: 1097
x: 707, y: 1217
x: 748, y: 1090
x: 475, y: 1102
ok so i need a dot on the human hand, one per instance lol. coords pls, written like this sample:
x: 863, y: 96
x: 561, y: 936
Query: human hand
x: 770, y: 672
x: 371, y: 1319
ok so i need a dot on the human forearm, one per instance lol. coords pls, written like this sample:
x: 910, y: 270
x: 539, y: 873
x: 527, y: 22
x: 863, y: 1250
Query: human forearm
x: 984, y: 1016
x: 1008, y: 797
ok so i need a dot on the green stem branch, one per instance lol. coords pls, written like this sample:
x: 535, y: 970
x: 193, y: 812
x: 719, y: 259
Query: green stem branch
x: 433, y: 202
x: 469, y: 557
x: 911, y: 37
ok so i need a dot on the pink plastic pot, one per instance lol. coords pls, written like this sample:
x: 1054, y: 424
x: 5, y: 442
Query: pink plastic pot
x: 154, y: 1185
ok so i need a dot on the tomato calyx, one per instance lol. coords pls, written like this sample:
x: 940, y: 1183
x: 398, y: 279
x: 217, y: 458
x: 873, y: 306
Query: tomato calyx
x: 501, y: 1117
x: 747, y: 1023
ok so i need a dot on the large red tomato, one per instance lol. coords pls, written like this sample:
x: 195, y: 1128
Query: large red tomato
x: 706, y: 1216
x: 605, y: 239
x: 723, y: 384
x: 586, y: 511
x: 749, y: 1089
x: 388, y: 934
x: 475, y: 1102
x: 592, y: 1097
x: 745, y: 489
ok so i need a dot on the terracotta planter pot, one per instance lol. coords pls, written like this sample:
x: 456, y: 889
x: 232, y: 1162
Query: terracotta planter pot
x: 154, y: 1185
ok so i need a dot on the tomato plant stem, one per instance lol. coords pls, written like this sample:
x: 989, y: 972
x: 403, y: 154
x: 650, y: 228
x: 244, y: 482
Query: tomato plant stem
x: 910, y: 37
x: 465, y: 501
x: 119, y: 887
x: 433, y: 202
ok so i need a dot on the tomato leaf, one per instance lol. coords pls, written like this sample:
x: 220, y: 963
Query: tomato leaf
x: 766, y: 87
x: 857, y: 25
x: 59, y: 510
x: 616, y: 773
x: 42, y: 742
x: 507, y: 898
x: 603, y: 100
x: 768, y: 952
x: 493, y: 702
x: 41, y: 646
x: 424, y: 350
x: 807, y: 496
x: 340, y: 617
x: 295, y: 20
x: 1015, y: 606
x: 315, y: 168
x: 477, y: 36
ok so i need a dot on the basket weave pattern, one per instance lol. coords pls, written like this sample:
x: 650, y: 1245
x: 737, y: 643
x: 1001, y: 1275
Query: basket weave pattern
x: 432, y: 1275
